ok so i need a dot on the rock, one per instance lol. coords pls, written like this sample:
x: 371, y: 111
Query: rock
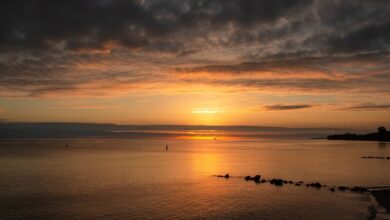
x: 359, y: 189
x: 316, y: 185
x: 257, y: 178
x: 263, y: 181
x: 277, y: 182
x: 224, y: 176
x: 332, y: 189
x: 343, y: 188
x: 297, y: 184
x: 290, y: 182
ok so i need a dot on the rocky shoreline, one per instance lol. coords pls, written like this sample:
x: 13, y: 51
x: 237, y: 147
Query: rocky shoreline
x: 281, y: 182
x: 381, y: 195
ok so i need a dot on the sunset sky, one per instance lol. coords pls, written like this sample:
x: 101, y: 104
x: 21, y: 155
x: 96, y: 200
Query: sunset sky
x: 304, y: 63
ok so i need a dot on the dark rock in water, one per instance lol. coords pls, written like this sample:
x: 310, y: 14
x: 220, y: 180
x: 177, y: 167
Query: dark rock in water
x: 257, y: 178
x: 298, y: 184
x: 343, y: 188
x: 332, y: 189
x: 359, y: 189
x: 290, y: 182
x: 277, y: 182
x: 224, y: 176
x: 263, y: 181
x: 316, y: 185
x: 285, y: 181
x: 376, y: 157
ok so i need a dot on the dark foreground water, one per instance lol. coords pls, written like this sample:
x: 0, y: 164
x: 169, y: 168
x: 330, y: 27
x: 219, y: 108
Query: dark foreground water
x: 138, y: 179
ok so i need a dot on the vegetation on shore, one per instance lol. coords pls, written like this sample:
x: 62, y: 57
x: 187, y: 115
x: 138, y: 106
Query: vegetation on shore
x: 381, y: 135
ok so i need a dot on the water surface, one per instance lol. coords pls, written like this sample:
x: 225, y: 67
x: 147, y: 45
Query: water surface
x: 138, y: 179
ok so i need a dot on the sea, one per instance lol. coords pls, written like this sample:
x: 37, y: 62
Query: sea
x: 175, y: 177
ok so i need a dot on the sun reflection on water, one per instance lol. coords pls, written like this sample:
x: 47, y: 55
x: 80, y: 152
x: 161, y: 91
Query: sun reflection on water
x: 206, y: 163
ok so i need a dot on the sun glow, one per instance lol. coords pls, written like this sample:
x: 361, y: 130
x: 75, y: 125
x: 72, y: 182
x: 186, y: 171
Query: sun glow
x: 207, y: 116
x: 206, y: 110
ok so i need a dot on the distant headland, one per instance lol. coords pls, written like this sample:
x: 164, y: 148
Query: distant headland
x: 381, y: 135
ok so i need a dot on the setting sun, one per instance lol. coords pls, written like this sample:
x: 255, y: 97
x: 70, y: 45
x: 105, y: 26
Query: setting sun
x: 206, y: 110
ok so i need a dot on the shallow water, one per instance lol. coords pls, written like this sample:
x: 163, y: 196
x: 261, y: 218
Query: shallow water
x: 138, y: 179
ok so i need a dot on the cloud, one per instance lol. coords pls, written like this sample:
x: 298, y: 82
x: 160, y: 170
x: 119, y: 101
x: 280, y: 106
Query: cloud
x: 368, y: 107
x: 87, y: 107
x: 110, y: 47
x: 280, y: 107
x: 300, y: 73
x: 129, y: 23
x: 169, y: 25
x: 289, y: 63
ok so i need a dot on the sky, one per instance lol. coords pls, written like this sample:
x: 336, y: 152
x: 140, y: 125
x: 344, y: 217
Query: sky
x: 303, y: 63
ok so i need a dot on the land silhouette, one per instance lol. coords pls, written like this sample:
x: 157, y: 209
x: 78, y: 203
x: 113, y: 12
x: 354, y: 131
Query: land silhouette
x: 381, y: 135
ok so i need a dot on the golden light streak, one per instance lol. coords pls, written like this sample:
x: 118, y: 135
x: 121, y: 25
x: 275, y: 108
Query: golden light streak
x: 206, y: 110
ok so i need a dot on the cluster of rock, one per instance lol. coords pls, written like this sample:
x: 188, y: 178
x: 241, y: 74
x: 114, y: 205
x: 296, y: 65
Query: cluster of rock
x: 255, y: 178
x: 371, y: 157
x: 317, y: 185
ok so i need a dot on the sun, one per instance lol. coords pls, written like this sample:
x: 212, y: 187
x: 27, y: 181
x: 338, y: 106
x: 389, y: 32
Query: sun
x: 207, y: 116
x: 206, y: 111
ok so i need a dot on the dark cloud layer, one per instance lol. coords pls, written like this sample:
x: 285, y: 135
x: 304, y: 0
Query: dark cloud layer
x: 292, y: 62
x: 42, y: 24
x: 41, y: 42
x: 287, y: 107
x: 369, y: 107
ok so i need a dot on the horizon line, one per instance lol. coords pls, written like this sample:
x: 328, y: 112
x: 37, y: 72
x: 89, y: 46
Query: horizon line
x: 184, y: 125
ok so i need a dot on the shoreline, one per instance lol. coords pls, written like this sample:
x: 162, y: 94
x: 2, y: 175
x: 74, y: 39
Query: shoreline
x: 382, y: 197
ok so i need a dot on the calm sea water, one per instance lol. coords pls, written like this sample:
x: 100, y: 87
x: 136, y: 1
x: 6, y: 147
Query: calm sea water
x: 138, y: 179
